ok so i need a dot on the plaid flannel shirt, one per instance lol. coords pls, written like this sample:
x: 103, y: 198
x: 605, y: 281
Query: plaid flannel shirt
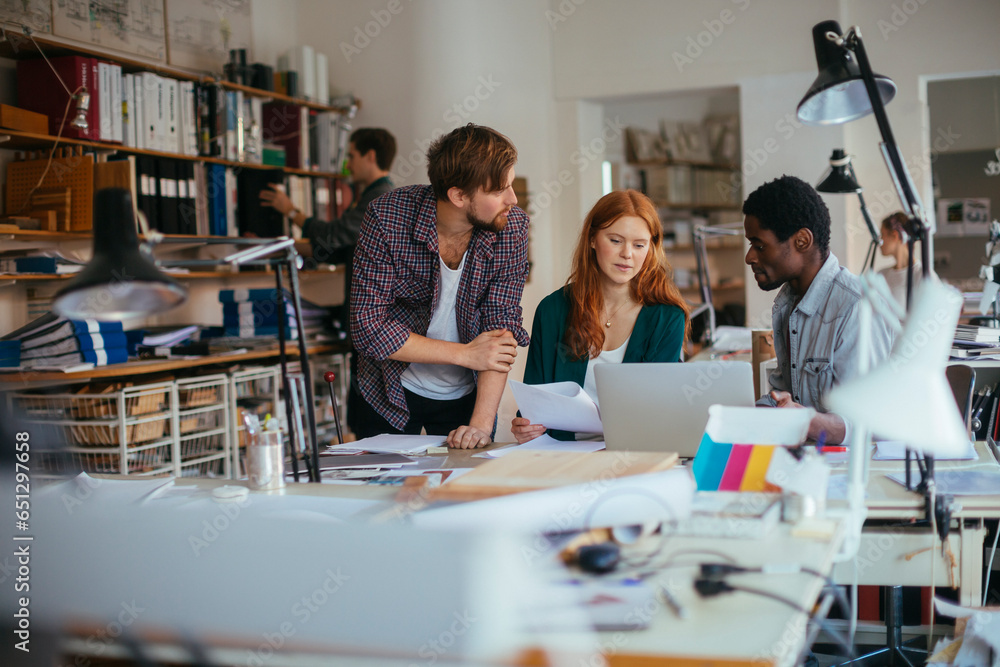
x: 396, y: 282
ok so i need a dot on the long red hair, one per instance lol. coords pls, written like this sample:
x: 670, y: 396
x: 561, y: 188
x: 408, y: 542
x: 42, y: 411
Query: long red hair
x: 652, y: 285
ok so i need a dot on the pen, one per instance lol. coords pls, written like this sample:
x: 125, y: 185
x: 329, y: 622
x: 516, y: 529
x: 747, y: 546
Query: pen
x: 669, y: 598
x: 820, y: 441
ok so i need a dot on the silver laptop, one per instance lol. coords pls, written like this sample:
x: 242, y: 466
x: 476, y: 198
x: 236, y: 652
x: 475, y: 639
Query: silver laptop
x: 664, y: 407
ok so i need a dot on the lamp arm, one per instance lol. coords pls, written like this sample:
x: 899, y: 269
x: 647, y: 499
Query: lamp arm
x: 918, y: 228
x: 869, y: 263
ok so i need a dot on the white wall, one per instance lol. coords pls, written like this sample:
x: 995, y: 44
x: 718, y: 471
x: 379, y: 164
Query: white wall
x: 554, y: 61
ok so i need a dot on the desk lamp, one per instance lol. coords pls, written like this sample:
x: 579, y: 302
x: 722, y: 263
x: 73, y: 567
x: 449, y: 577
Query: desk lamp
x: 119, y: 282
x: 700, y: 234
x: 840, y: 179
x: 846, y: 89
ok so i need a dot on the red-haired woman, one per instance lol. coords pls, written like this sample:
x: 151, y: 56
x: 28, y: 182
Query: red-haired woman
x: 618, y: 306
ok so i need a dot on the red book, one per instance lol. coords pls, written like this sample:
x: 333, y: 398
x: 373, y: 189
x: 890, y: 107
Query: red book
x: 39, y: 90
x: 282, y: 125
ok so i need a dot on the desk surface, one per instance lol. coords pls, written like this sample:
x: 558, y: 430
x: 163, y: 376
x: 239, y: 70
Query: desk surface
x: 731, y: 629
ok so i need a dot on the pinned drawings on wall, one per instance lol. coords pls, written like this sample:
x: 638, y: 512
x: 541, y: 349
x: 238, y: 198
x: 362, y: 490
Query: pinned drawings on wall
x: 130, y: 26
x: 35, y: 14
x: 201, y: 33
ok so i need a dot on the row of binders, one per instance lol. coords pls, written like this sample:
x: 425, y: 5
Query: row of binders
x: 210, y: 199
x: 149, y: 111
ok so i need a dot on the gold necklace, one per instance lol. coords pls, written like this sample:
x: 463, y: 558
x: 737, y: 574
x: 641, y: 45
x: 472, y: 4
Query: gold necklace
x: 612, y: 315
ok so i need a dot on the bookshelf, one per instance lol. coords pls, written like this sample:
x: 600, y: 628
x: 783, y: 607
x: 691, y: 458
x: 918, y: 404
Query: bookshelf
x: 693, y: 192
x: 315, y: 168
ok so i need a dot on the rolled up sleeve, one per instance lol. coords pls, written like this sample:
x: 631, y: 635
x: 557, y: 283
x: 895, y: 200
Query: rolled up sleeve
x: 373, y: 331
x: 501, y: 303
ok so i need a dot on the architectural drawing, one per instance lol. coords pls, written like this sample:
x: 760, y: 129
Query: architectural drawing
x: 200, y: 33
x: 36, y: 14
x: 132, y: 26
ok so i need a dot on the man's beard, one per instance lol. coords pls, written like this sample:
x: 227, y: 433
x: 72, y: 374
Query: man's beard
x: 497, y: 224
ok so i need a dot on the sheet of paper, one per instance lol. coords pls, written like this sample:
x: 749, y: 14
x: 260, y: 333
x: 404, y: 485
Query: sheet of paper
x: 392, y: 444
x: 543, y: 443
x: 560, y: 405
x: 894, y: 450
x: 960, y: 482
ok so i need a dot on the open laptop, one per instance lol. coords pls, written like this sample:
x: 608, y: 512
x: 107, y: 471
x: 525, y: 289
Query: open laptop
x: 664, y: 407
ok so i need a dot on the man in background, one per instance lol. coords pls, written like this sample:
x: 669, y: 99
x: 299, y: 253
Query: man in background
x: 370, y: 153
x: 436, y: 307
x: 816, y: 314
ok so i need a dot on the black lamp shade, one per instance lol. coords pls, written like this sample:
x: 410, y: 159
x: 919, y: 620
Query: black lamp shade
x: 119, y: 282
x: 838, y: 94
x: 839, y: 179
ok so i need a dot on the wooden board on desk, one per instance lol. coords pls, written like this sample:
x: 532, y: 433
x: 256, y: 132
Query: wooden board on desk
x: 535, y: 470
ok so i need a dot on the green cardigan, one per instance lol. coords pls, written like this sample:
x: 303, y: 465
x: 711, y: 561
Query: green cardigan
x: 657, y: 336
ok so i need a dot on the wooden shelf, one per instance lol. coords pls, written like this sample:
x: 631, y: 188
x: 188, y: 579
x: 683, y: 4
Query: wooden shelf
x: 684, y: 163
x: 16, y: 380
x: 18, y: 46
x: 687, y: 247
x: 27, y: 141
x: 660, y: 203
x: 731, y: 285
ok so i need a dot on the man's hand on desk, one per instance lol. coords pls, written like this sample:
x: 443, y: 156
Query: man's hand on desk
x: 468, y: 437
x: 523, y: 430
x: 828, y: 423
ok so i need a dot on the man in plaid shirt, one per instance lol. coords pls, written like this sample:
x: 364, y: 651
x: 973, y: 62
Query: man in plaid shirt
x: 436, y: 300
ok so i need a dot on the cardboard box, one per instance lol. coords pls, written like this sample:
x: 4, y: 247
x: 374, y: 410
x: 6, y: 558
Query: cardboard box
x: 14, y: 118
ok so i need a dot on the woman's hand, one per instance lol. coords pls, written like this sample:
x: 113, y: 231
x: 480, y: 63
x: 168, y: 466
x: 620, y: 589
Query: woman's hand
x: 524, y: 430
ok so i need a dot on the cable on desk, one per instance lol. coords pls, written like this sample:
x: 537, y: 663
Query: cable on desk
x: 713, y: 587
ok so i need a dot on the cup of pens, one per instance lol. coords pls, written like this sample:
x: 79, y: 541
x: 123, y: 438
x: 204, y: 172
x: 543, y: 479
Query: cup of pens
x: 265, y: 457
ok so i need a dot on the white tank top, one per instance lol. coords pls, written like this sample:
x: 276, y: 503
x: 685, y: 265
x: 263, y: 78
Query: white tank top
x: 615, y: 356
x: 442, y: 382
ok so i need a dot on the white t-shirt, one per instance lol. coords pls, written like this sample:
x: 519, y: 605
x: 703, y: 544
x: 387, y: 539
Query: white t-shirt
x: 896, y: 279
x: 615, y: 356
x: 442, y: 382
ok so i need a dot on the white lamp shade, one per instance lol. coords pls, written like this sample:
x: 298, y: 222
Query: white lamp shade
x: 907, y: 397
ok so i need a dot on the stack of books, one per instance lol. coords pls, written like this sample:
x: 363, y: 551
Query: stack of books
x: 10, y: 353
x: 248, y: 313
x: 974, y: 341
x: 52, y: 341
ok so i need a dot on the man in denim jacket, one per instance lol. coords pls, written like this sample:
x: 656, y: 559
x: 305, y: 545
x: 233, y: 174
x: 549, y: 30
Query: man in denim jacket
x: 816, y: 314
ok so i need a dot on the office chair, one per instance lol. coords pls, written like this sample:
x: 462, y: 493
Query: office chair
x: 962, y: 379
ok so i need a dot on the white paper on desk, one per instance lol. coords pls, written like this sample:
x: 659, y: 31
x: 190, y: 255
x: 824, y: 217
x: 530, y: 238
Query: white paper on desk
x: 634, y: 500
x: 895, y: 450
x: 982, y: 634
x: 392, y: 444
x: 546, y: 443
x: 732, y: 339
x: 807, y: 477
x: 560, y: 405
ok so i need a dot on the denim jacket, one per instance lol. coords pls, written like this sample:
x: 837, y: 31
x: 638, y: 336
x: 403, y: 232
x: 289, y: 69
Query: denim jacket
x: 816, y: 339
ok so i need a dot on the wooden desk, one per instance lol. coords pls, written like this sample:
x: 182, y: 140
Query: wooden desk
x: 731, y: 629
x: 758, y: 631
x: 893, y: 553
